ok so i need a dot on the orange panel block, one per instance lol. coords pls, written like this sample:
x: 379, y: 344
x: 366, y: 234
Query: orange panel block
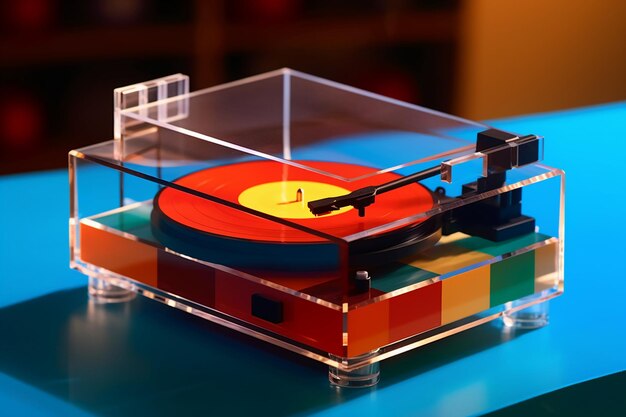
x: 135, y: 260
x: 465, y: 294
x: 546, y: 267
x: 368, y: 328
x: 445, y: 258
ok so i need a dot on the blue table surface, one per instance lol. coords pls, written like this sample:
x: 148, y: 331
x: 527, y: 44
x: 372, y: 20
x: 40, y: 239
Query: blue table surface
x: 60, y: 355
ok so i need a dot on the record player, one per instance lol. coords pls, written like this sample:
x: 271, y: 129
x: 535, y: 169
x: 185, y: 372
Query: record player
x: 333, y: 222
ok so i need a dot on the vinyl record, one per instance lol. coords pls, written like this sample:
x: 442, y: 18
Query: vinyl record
x: 217, y: 233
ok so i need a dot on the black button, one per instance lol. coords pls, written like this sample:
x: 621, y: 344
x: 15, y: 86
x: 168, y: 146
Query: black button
x: 267, y: 309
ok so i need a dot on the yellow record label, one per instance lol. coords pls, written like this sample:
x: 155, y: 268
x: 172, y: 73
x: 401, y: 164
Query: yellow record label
x: 283, y: 199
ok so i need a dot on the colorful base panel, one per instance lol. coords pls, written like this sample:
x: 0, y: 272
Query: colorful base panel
x: 459, y: 277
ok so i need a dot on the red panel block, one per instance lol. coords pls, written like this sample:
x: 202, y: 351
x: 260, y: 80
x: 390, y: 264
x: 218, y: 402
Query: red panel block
x: 415, y: 312
x: 303, y: 321
x: 188, y: 279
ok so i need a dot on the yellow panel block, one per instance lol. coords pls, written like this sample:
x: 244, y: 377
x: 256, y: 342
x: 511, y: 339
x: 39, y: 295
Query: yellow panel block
x: 465, y: 294
x: 453, y: 237
x: 546, y: 267
x: 447, y: 257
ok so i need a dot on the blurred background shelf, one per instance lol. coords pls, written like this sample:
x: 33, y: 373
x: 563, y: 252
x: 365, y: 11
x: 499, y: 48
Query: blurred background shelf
x: 61, y: 59
x: 440, y: 26
x: 77, y: 45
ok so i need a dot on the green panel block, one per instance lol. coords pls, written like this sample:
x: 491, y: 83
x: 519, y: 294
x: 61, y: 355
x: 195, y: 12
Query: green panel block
x: 397, y: 275
x: 512, y: 278
x: 500, y: 248
x: 135, y: 221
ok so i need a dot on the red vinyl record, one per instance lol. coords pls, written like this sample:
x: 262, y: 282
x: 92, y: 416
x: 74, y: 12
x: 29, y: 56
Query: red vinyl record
x: 237, y: 183
x: 216, y: 232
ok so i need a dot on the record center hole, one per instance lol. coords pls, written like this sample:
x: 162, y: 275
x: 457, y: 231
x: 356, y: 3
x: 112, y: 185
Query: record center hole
x: 277, y: 198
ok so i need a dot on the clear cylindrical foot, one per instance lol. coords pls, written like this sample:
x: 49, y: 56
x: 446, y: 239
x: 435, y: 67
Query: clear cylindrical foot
x: 365, y: 376
x: 533, y: 317
x: 103, y: 292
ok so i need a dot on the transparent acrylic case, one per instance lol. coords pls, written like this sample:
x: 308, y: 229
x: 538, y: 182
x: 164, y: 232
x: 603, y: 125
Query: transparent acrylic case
x: 311, y: 290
